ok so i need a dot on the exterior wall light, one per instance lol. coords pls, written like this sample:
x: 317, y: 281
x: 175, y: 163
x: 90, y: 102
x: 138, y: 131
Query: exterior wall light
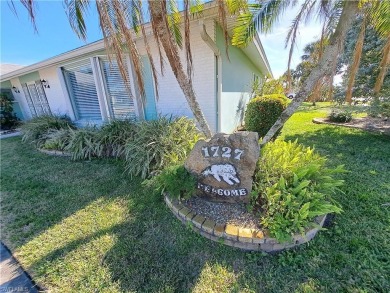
x: 45, y: 83
x: 16, y: 90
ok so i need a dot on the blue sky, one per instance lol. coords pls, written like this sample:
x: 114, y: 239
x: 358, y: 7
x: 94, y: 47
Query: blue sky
x: 21, y: 45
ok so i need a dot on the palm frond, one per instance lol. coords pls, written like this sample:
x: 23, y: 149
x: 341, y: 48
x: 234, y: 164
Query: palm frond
x: 223, y: 23
x: 380, y: 17
x: 258, y: 17
x: 174, y: 20
x: 140, y: 20
x: 196, y: 8
x: 117, y: 35
x: 333, y: 18
x: 236, y: 6
x: 30, y: 6
x: 75, y: 10
x: 306, y: 7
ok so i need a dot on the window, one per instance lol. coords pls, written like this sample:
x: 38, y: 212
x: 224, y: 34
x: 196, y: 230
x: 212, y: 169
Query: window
x: 119, y: 97
x: 81, y: 87
x: 36, y: 98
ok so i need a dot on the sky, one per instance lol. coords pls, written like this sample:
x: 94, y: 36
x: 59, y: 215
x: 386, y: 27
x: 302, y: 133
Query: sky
x: 21, y: 45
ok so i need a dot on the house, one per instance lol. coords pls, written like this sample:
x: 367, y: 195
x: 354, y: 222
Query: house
x: 83, y: 85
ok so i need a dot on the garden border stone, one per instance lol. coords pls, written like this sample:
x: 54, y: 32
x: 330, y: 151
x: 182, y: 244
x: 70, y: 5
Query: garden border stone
x: 55, y: 153
x: 240, y: 237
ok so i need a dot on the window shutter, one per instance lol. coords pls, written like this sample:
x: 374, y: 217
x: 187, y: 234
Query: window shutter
x: 29, y: 101
x: 36, y: 98
x: 42, y: 97
x: 81, y: 86
x: 118, y: 93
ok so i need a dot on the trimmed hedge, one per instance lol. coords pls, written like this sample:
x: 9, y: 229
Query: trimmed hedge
x: 262, y: 112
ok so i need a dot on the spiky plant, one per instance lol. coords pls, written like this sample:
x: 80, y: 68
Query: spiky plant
x: 35, y: 130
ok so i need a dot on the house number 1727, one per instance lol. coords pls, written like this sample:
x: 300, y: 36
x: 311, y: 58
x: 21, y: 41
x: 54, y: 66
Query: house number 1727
x: 224, y: 152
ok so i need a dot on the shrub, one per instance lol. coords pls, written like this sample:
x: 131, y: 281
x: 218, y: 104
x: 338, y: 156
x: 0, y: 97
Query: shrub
x: 8, y: 119
x: 292, y: 187
x: 57, y: 139
x: 114, y: 135
x: 35, y: 130
x: 340, y: 116
x: 176, y: 181
x: 160, y: 143
x: 385, y: 110
x: 84, y: 143
x: 262, y: 113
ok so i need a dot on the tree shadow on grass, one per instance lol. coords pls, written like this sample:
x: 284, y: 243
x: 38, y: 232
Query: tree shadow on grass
x: 151, y: 251
x: 39, y: 191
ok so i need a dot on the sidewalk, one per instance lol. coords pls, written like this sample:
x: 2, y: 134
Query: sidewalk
x: 12, y: 276
x: 5, y: 134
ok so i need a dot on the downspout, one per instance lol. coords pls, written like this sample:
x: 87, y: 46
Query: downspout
x: 210, y: 42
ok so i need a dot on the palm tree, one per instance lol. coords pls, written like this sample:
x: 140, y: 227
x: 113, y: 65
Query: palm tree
x: 116, y: 16
x: 337, y: 16
x: 122, y: 20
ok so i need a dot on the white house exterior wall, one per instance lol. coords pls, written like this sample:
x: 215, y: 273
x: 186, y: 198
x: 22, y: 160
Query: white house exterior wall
x: 55, y: 94
x: 171, y: 98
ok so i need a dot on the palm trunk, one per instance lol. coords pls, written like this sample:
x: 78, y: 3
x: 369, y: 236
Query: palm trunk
x: 356, y: 60
x: 384, y: 66
x: 323, y: 67
x: 172, y: 53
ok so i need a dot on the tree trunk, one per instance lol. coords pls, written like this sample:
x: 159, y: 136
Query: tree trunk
x: 165, y: 37
x: 323, y: 67
x: 355, y: 63
x: 383, y: 67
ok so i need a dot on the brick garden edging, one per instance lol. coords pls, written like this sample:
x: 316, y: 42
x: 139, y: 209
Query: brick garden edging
x: 244, y: 238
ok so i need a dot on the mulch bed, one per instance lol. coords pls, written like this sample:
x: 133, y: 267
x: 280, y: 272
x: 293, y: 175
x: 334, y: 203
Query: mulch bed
x: 366, y: 123
x: 223, y: 213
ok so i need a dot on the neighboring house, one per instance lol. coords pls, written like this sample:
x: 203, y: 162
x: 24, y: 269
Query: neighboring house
x: 6, y: 89
x: 83, y: 85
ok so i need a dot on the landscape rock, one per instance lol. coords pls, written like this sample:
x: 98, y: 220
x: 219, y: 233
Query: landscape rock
x: 224, y: 166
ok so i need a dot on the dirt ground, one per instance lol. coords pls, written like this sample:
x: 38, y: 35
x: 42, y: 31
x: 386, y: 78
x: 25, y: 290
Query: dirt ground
x: 366, y: 123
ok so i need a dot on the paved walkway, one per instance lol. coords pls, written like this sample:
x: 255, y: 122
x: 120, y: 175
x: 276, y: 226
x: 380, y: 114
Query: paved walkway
x: 12, y: 276
x: 5, y: 135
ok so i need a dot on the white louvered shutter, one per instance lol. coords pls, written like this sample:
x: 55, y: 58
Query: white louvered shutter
x: 36, y: 98
x: 81, y: 86
x: 42, y: 97
x: 119, y: 97
x: 29, y: 100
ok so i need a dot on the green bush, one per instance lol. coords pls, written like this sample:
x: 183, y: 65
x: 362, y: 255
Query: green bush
x: 84, y: 143
x: 8, y: 119
x: 160, y: 143
x: 385, y: 110
x: 262, y: 112
x: 340, y: 116
x: 176, y: 181
x: 114, y: 135
x: 36, y: 130
x: 57, y: 139
x: 293, y: 186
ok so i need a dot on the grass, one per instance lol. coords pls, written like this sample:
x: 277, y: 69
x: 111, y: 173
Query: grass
x: 87, y: 227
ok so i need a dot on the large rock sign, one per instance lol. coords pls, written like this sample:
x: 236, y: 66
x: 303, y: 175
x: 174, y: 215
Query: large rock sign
x: 224, y: 166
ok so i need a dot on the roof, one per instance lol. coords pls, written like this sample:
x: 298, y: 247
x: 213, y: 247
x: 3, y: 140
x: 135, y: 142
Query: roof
x: 210, y: 10
x: 6, y: 68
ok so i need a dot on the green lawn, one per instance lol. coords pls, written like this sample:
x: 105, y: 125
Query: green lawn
x: 87, y: 227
